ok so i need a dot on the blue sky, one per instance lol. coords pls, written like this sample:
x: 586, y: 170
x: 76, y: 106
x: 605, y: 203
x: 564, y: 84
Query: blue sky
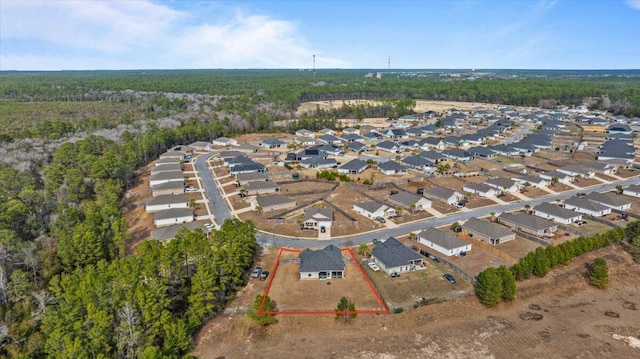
x: 141, y: 34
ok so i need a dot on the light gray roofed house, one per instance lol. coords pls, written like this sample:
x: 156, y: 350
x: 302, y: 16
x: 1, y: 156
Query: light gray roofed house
x: 354, y: 166
x: 586, y: 204
x: 457, y: 154
x: 387, y: 145
x: 391, y: 166
x: 478, y: 187
x: 441, y: 192
x: 272, y: 142
x: 406, y: 199
x: 247, y: 148
x: 173, y: 154
x: 529, y: 178
x: 393, y: 253
x: 490, y: 230
x: 227, y: 155
x: 609, y: 201
x: 272, y: 200
x: 169, y: 186
x: 318, y: 213
x: 528, y: 221
x: 432, y: 156
x: 372, y: 206
x: 173, y: 213
x: 480, y: 151
x: 443, y: 239
x: 329, y: 139
x: 418, y: 162
x: 261, y: 185
x: 202, y: 145
x: 165, y: 234
x: 166, y: 168
x: 167, y: 199
x: 327, y: 259
x: 167, y: 161
x: 167, y: 176
x: 559, y: 175
x: 576, y: 169
x: 500, y: 183
x: 555, y: 211
x: 252, y: 176
x: 314, y: 162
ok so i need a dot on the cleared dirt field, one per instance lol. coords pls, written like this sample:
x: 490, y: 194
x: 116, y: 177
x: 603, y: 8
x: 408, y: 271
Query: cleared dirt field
x: 586, y: 182
x: 475, y: 201
x: 407, y: 216
x: 302, y: 186
x: 624, y: 173
x: 559, y: 316
x: 535, y: 192
x: 518, y: 247
x: 292, y: 293
x: 443, y: 208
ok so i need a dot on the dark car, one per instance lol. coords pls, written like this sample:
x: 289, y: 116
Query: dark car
x: 264, y: 275
x: 450, y: 278
x: 420, y: 191
x: 256, y: 272
x: 380, y: 219
x: 394, y: 274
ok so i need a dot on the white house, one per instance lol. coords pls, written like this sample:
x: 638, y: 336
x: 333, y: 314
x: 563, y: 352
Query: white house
x: 374, y: 209
x: 167, y: 201
x: 503, y: 185
x: 534, y: 181
x: 173, y: 216
x: 318, y: 218
x: 586, y: 206
x: 410, y: 201
x: 391, y: 168
x: 444, y: 194
x: 488, y: 232
x: 562, y: 177
x: 224, y: 141
x: 556, y: 213
x: 164, y: 177
x: 394, y: 257
x: 613, y: 202
x: 445, y: 243
x: 326, y: 263
x: 633, y: 191
x: 480, y: 188
x: 577, y: 170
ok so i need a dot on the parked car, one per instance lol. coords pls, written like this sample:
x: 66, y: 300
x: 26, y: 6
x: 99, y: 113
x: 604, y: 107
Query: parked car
x: 256, y: 272
x: 376, y: 241
x: 264, y: 275
x: 450, y: 278
x: 394, y: 274
x: 374, y: 267
x: 190, y: 189
x: 458, y: 204
x: 381, y: 219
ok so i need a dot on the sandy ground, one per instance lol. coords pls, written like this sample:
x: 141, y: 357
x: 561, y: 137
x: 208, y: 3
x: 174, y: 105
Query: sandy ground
x: 559, y: 316
x: 421, y: 105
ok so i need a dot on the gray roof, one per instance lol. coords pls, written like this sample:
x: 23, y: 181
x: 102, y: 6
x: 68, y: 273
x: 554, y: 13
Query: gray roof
x: 251, y: 176
x: 606, y: 199
x: 354, y: 165
x: 167, y: 161
x: 531, y: 179
x: 417, y: 161
x: 386, y: 144
x: 258, y: 185
x: 318, y: 214
x: 393, y: 253
x: 173, y: 166
x: 169, y: 232
x: 585, y: 204
x: 173, y: 213
x: 445, y: 240
x: 372, y: 206
x: 479, y: 187
x: 576, y: 169
x: 231, y: 154
x: 500, y: 182
x: 528, y: 221
x: 391, y: 166
x: 552, y: 174
x: 167, y: 199
x: 247, y: 167
x: 327, y: 259
x: 634, y: 188
x: 272, y: 200
x: 272, y: 142
x: 490, y: 230
x: 405, y: 198
x: 556, y: 211
x: 440, y: 192
x: 171, y: 175
x: 239, y: 160
x: 168, y: 185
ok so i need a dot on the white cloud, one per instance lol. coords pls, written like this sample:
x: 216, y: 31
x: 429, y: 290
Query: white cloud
x: 634, y: 4
x: 142, y: 34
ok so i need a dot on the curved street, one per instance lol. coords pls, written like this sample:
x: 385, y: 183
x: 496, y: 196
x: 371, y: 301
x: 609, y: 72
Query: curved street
x: 221, y: 212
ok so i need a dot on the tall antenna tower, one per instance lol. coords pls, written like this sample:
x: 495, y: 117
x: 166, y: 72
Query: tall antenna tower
x: 389, y: 63
x: 314, y: 68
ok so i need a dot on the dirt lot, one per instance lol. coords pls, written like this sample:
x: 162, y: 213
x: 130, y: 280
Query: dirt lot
x: 586, y: 182
x: 518, y: 247
x: 475, y: 201
x: 291, y: 293
x: 627, y: 173
x: 559, y: 316
x: 485, y: 164
x: 535, y: 192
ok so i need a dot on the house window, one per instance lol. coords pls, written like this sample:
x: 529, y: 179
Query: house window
x: 309, y: 275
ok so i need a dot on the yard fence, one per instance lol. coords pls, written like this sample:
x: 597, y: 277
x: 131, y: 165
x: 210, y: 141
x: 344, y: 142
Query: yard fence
x: 632, y: 215
x: 600, y: 220
x: 491, y: 249
x: 532, y: 238
x: 572, y: 230
x: 364, y: 264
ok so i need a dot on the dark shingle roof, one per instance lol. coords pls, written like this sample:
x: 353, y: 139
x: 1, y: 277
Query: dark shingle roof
x: 490, y: 230
x: 392, y: 253
x: 327, y: 259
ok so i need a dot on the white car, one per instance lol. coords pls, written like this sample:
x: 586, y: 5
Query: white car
x: 374, y: 267
x: 191, y: 189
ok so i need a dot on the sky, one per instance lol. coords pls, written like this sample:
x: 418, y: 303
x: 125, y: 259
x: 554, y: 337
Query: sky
x: 466, y: 34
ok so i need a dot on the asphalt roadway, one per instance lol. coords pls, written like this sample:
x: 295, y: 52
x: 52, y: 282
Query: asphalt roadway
x: 222, y: 212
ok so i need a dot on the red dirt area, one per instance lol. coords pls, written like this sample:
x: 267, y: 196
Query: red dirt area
x: 559, y: 316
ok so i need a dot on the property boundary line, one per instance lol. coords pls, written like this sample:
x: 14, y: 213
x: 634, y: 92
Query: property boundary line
x: 384, y: 310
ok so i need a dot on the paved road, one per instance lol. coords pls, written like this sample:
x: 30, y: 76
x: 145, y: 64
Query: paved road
x: 517, y: 136
x: 212, y: 191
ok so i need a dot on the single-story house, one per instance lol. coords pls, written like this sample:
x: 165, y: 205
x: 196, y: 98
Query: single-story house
x: 357, y: 147
x: 167, y: 161
x: 351, y: 137
x: 166, y: 168
x: 374, y: 209
x: 443, y: 242
x: 176, y: 155
x: 481, y: 152
x: 457, y: 154
x: 244, y: 178
x: 164, y: 177
x: 351, y: 131
x: 444, y: 195
x: 201, y: 146
x: 609, y: 201
x: 261, y: 187
x: 419, y: 163
x: 224, y: 141
x: 317, y: 218
x: 236, y: 160
x: 327, y: 131
x: 318, y: 162
x: 247, y: 168
x: 534, y: 181
x: 353, y: 167
x: 528, y: 223
x: 633, y: 191
x: 599, y: 167
x: 394, y: 257
x: 556, y: 213
x: 305, y: 133
x: 388, y: 146
x: 329, y: 139
x: 480, y: 188
x: 587, y: 207
x: 577, y: 170
x: 395, y: 133
x: 431, y: 142
x: 503, y: 185
x: 486, y: 231
x: 562, y: 177
x: 167, y: 233
x: 166, y: 201
x: 272, y: 143
x: 247, y: 148
x: 273, y: 202
x: 410, y: 201
x: 167, y: 188
x: 390, y: 168
x: 173, y: 216
x: 326, y: 263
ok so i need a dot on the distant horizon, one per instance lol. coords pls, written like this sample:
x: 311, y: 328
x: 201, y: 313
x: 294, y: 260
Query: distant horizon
x: 40, y: 35
x: 336, y: 69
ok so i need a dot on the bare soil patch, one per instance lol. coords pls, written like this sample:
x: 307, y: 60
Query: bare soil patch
x: 518, y: 247
x: 586, y: 182
x: 535, y: 192
x: 475, y: 201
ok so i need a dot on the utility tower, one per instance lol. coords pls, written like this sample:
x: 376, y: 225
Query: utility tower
x: 389, y: 63
x: 314, y: 68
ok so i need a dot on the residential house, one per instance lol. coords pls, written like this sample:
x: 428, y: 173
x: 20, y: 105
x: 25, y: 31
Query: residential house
x: 326, y: 263
x: 233, y: 161
x: 372, y: 136
x: 599, y: 167
x: 167, y: 201
x: 481, y: 189
x: 394, y: 257
x: 430, y: 143
x: 201, y: 146
x: 247, y: 168
x: 444, y: 195
x: 224, y: 141
x: 351, y: 130
x: 272, y: 143
x: 433, y: 156
x: 534, y: 181
x: 351, y: 137
x: 560, y: 176
x: 410, y: 201
x: 261, y: 187
x: 390, y: 168
x: 318, y: 162
x: 633, y: 191
x: 613, y: 202
x: 414, y: 131
x: 164, y: 177
x: 528, y: 223
x: 329, y: 140
x: 503, y: 185
x: 167, y: 188
x: 167, y: 161
x: 317, y: 218
x: 419, y: 163
x: 176, y: 166
x: 443, y: 242
x: 486, y: 231
x: 244, y: 178
x: 327, y: 131
x: 247, y: 148
x: 167, y: 233
x: 395, y: 134
x: 173, y: 216
x: 388, y: 146
x: 457, y: 154
x: 619, y: 128
x: 357, y: 147
x: 353, y: 167
x: 305, y: 133
x: 556, y: 213
x: 273, y: 202
x: 176, y: 155
x: 577, y: 170
x: 374, y: 209
x: 481, y: 152
x: 587, y: 207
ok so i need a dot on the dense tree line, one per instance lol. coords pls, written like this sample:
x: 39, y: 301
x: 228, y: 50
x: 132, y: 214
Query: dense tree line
x: 496, y: 284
